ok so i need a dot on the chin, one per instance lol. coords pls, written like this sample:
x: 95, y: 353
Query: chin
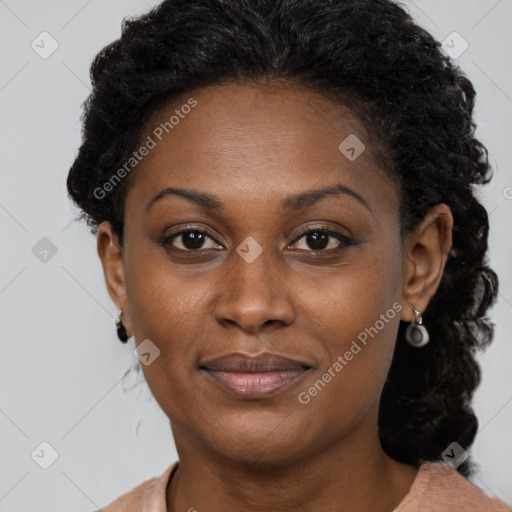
x: 256, y: 441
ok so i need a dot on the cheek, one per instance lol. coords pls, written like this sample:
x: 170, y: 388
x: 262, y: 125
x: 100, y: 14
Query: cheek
x: 163, y: 299
x: 167, y: 311
x: 352, y: 297
x: 356, y: 312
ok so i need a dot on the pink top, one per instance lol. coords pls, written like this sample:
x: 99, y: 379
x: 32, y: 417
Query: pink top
x: 436, y: 488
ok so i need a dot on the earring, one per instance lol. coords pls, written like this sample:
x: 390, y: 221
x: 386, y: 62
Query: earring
x: 416, y: 334
x: 121, y: 329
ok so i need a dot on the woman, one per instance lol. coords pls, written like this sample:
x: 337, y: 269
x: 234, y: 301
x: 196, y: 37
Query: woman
x: 282, y: 197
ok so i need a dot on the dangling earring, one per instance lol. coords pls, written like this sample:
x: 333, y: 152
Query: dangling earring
x: 121, y: 330
x: 416, y: 334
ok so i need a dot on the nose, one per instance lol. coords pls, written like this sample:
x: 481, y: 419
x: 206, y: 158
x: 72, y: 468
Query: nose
x: 253, y: 295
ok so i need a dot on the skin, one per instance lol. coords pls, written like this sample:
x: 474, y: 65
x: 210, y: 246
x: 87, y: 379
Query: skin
x: 251, y: 146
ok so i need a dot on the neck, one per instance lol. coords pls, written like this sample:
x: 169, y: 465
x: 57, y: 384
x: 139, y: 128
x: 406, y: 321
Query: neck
x: 353, y: 474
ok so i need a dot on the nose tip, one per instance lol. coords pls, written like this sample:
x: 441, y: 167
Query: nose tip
x: 250, y: 323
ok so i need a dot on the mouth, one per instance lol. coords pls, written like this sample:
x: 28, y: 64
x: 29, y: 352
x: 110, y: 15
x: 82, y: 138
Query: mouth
x: 254, y: 377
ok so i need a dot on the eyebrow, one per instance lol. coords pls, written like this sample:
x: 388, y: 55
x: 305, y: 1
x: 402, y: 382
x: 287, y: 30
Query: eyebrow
x: 290, y: 204
x: 304, y: 199
x: 204, y: 200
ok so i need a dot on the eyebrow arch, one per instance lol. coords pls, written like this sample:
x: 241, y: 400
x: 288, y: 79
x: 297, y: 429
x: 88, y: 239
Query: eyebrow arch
x: 206, y: 201
x: 290, y: 204
x: 304, y: 199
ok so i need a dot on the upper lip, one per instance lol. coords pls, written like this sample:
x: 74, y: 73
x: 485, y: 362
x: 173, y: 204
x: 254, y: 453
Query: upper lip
x: 265, y: 362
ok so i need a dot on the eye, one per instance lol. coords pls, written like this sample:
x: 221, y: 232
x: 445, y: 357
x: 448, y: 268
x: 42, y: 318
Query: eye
x: 323, y: 239
x: 190, y: 240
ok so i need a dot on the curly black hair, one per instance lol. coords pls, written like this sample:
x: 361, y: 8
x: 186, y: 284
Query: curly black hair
x: 415, y: 103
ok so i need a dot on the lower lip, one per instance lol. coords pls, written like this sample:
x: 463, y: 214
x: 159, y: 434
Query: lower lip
x: 255, y: 384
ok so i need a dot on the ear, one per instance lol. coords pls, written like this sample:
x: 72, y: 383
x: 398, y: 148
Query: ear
x: 111, y: 256
x: 425, y: 255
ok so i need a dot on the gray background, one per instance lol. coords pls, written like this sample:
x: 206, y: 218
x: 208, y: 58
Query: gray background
x: 61, y: 365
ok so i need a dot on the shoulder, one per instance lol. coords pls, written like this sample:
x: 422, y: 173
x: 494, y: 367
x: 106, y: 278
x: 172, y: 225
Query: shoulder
x: 149, y: 495
x: 439, y: 487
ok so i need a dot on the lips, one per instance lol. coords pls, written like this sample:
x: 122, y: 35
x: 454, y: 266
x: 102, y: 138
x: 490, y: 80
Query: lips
x: 253, y: 377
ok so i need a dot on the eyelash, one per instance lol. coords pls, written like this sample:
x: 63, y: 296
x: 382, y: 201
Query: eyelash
x: 344, y: 240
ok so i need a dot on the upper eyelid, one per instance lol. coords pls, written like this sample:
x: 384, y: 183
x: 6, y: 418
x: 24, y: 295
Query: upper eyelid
x: 188, y: 230
x: 326, y: 229
x: 303, y: 232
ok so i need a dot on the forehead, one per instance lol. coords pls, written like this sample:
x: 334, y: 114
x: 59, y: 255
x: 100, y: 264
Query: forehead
x: 257, y: 142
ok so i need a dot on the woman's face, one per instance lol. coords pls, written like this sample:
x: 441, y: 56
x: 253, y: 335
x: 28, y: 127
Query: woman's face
x: 255, y: 283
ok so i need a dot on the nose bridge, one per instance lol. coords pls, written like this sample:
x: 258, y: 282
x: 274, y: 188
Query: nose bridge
x: 253, y: 292
x: 253, y: 273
